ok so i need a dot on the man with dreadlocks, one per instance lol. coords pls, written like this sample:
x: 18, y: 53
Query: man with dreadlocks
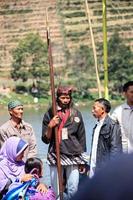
x: 72, y: 140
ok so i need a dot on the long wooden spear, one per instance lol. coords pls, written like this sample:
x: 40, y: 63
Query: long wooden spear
x: 59, y: 169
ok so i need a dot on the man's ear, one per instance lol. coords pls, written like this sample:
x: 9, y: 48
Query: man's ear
x: 103, y: 110
x: 10, y: 112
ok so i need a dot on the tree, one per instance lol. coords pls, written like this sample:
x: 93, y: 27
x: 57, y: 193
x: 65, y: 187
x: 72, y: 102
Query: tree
x: 30, y: 59
x: 82, y: 70
x: 83, y: 59
x: 120, y: 62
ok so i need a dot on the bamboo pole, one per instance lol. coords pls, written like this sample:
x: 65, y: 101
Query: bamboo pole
x: 94, y: 49
x: 105, y: 54
x: 59, y: 168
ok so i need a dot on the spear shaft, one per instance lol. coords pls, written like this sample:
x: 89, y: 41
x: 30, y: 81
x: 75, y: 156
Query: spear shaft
x: 59, y: 168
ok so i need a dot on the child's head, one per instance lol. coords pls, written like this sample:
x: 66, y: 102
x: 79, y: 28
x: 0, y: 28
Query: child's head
x: 34, y: 166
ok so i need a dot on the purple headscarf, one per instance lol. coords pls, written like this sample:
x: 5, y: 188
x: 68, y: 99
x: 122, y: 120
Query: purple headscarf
x: 11, y: 168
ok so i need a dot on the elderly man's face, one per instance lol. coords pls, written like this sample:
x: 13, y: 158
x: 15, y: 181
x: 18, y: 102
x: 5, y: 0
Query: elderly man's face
x: 17, y: 112
x: 98, y: 110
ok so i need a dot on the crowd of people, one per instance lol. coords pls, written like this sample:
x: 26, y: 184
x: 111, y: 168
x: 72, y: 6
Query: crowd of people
x: 112, y: 145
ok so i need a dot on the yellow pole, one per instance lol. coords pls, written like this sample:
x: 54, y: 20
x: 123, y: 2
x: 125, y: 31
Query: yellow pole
x: 105, y: 56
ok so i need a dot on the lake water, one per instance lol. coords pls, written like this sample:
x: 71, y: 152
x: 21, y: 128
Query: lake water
x: 35, y: 115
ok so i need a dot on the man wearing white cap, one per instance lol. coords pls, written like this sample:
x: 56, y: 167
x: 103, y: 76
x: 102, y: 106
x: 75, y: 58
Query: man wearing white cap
x: 15, y: 126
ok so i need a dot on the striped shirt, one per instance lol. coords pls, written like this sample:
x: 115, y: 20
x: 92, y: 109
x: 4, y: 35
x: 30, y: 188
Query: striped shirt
x: 68, y: 160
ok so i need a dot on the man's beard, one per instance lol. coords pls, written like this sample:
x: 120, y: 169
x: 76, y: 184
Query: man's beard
x: 65, y: 106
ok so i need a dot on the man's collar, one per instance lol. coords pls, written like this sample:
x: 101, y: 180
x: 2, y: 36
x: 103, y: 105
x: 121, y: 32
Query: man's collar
x: 59, y: 108
x: 101, y: 120
x: 126, y: 106
x: 19, y: 125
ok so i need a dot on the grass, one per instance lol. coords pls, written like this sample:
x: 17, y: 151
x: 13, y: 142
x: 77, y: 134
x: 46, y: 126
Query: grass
x: 25, y: 98
x: 13, y: 12
x: 74, y: 14
x: 29, y: 101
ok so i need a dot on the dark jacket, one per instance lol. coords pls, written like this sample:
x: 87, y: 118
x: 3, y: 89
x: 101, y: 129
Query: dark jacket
x: 76, y: 142
x: 109, y: 142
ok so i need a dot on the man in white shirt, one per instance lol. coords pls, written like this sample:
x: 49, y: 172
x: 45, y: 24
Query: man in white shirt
x: 123, y: 114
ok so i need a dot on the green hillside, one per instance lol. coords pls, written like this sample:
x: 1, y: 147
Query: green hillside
x: 76, y: 26
x: 70, y: 35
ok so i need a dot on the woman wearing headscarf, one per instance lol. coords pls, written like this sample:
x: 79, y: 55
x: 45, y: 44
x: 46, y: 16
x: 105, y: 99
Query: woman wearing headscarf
x: 11, y: 162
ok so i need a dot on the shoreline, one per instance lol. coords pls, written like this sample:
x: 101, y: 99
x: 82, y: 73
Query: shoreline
x: 30, y: 101
x: 84, y: 103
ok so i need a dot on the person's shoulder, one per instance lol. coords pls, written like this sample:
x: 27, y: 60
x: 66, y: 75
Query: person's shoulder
x: 75, y: 109
x: 5, y: 125
x: 76, y: 112
x: 109, y: 120
x: 27, y: 124
x: 112, y: 122
x: 119, y: 107
x: 48, y: 111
